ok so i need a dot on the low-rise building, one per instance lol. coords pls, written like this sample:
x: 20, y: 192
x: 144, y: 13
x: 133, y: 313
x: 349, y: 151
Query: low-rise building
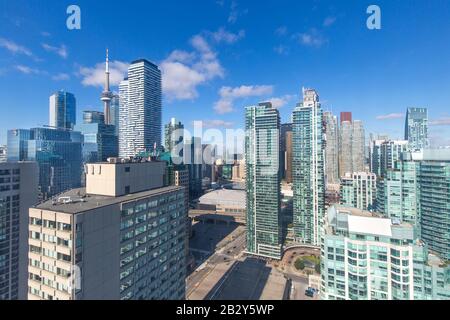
x: 225, y: 202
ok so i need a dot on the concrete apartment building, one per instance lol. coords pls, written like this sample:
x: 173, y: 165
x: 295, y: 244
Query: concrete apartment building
x: 18, y: 192
x: 358, y: 190
x: 367, y: 257
x: 123, y: 237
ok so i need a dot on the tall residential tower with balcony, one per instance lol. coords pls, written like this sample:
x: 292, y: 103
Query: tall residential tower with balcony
x: 367, y: 257
x: 308, y: 168
x: 140, y: 109
x: 262, y: 142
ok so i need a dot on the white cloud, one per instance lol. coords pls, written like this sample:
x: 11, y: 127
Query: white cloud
x: 223, y: 35
x: 61, y: 51
x: 14, y: 47
x: 329, y: 21
x: 95, y: 76
x: 228, y: 95
x: 46, y: 34
x: 390, y: 116
x: 183, y: 72
x: 61, y: 77
x: 27, y: 70
x: 444, y: 121
x: 278, y: 102
x: 312, y: 38
x: 180, y: 81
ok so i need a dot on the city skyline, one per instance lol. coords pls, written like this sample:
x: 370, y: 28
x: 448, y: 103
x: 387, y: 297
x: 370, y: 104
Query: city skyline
x: 192, y: 151
x: 208, y: 60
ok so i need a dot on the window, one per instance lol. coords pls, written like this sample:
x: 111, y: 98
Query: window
x: 127, y: 189
x: 127, y: 169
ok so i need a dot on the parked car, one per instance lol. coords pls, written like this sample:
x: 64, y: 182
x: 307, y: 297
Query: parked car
x: 309, y: 293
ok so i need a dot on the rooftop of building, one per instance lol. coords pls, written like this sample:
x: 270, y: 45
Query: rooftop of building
x: 224, y: 196
x: 76, y: 200
x: 358, y: 221
x: 127, y: 161
x: 430, y: 155
x: 145, y: 61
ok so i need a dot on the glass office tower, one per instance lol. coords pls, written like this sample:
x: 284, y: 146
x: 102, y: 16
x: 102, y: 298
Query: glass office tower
x: 262, y: 143
x: 100, y: 140
x: 62, y: 110
x: 57, y: 152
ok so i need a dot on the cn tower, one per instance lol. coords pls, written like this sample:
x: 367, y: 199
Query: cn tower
x: 107, y: 95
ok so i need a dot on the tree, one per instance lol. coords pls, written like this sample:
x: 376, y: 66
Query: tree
x: 299, y: 264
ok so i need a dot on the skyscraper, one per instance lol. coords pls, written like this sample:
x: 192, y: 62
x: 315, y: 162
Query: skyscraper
x: 308, y: 168
x: 99, y: 139
x: 262, y: 142
x: 140, y: 109
x: 399, y: 193
x: 433, y: 178
x: 332, y: 148
x: 346, y: 116
x: 284, y: 136
x: 367, y: 257
x: 351, y: 147
x: 114, y: 113
x: 416, y: 128
x: 375, y: 155
x: 172, y: 137
x: 358, y: 147
x: 192, y: 155
x: 62, y: 110
x: 288, y: 157
x: 391, y: 151
x: 57, y: 152
x: 18, y: 192
x: 359, y: 190
x: 125, y: 239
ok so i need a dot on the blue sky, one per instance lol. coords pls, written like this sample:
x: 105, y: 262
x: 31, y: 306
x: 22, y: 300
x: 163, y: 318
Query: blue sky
x: 218, y: 56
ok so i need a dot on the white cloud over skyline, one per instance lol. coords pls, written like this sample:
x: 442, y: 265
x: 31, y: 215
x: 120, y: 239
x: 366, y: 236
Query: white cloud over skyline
x: 228, y: 95
x: 95, y: 76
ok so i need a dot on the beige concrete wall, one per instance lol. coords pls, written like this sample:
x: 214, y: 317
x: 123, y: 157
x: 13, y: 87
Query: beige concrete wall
x: 112, y: 179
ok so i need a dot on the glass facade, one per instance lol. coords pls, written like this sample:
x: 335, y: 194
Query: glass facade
x: 63, y: 110
x: 434, y: 205
x: 308, y: 169
x: 263, y: 180
x: 99, y: 139
x: 57, y: 152
x: 416, y: 128
x: 365, y: 265
x: 359, y: 190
